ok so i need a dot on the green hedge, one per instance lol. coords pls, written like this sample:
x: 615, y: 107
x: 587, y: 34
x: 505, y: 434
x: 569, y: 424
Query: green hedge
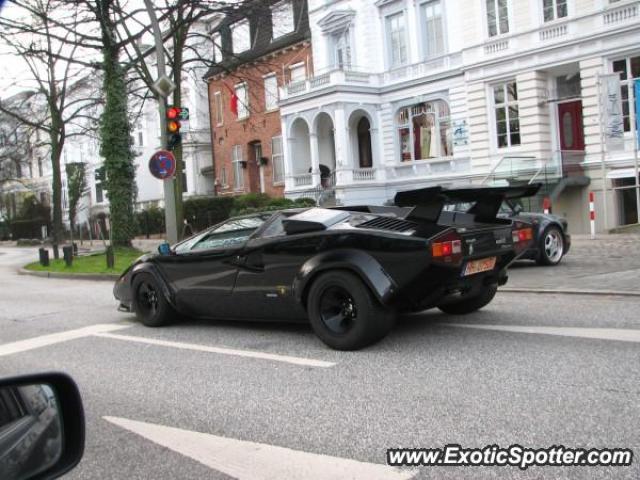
x: 204, y: 212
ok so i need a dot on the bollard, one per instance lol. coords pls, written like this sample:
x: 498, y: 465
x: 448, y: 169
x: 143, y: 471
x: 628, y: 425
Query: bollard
x: 67, y: 253
x: 56, y: 254
x: 75, y: 249
x: 110, y: 258
x: 43, y: 253
x: 592, y: 215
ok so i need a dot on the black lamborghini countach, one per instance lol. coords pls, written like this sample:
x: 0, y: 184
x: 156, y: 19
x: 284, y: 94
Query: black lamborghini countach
x: 348, y: 270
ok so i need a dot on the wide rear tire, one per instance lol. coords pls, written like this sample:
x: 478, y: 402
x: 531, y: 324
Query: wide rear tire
x: 343, y: 312
x: 149, y: 303
x: 551, y: 246
x: 471, y: 304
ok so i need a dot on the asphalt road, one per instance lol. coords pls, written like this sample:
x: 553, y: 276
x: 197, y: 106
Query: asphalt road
x: 271, y: 401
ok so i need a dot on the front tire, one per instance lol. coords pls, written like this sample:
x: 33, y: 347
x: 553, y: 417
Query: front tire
x: 344, y: 314
x: 469, y: 305
x: 551, y: 247
x: 150, y: 305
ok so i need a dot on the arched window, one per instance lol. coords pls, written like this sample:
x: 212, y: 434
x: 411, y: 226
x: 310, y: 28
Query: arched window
x: 424, y: 131
x: 364, y: 143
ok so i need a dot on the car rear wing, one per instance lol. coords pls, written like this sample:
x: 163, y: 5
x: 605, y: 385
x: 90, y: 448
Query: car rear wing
x: 428, y: 203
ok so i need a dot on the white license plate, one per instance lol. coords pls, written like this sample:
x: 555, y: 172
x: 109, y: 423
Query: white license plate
x: 477, y: 266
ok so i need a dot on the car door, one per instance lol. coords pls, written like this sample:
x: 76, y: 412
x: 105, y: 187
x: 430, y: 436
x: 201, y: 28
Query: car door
x: 203, y: 271
x: 269, y: 263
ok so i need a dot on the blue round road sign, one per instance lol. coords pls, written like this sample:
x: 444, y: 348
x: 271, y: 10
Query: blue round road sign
x: 162, y: 164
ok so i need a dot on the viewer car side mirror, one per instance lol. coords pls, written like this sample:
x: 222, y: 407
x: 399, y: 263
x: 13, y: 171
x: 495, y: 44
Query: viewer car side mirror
x: 41, y: 426
x: 164, y: 249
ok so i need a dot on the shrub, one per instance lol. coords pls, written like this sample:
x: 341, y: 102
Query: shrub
x: 204, y: 212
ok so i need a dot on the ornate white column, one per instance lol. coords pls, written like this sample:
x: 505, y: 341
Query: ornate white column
x: 341, y: 141
x: 315, y: 158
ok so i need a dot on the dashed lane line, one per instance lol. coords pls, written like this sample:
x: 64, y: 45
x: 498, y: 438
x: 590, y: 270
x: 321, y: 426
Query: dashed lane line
x: 53, y: 338
x: 307, y: 362
x: 246, y: 460
x: 618, y: 334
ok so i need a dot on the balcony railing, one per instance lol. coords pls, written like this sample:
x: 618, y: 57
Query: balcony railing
x: 358, y: 76
x: 364, y: 174
x: 434, y: 167
x: 302, y: 180
x: 611, y: 16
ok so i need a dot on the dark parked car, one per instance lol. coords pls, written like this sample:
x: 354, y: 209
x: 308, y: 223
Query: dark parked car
x: 550, y: 232
x: 347, y: 270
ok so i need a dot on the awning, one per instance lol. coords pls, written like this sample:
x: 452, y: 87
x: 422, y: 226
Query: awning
x: 622, y: 173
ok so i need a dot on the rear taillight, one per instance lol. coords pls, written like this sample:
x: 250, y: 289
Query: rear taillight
x: 522, y: 235
x: 444, y: 249
x: 447, y: 248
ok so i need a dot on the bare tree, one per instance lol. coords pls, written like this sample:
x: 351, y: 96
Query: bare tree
x: 48, y: 41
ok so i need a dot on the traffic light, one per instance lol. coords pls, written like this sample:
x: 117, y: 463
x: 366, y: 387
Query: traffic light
x: 173, y: 127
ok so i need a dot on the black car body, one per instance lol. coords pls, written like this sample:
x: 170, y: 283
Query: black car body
x: 348, y: 270
x: 552, y: 240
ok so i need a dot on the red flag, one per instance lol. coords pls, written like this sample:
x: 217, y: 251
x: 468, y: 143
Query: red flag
x: 233, y: 103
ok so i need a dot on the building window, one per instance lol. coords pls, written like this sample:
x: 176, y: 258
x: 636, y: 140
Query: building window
x: 277, y: 160
x: 240, y: 37
x: 629, y: 70
x: 424, y: 131
x: 217, y: 47
x: 554, y: 9
x: 217, y: 107
x: 238, y: 174
x: 507, y: 118
x: 433, y: 28
x: 341, y: 49
x: 396, y: 39
x: 243, y: 100
x: 282, y: 19
x: 223, y: 177
x: 140, y: 139
x: 497, y: 17
x: 297, y: 72
x: 40, y: 171
x: 99, y: 193
x: 271, y: 92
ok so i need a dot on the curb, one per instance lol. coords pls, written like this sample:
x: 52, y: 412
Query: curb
x: 619, y: 293
x: 111, y: 277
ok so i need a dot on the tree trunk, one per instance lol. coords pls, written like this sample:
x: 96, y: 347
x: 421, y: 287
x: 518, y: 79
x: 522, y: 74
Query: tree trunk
x: 57, y: 142
x: 115, y: 147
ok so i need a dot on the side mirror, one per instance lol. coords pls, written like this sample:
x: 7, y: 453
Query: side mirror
x: 164, y: 249
x: 41, y: 426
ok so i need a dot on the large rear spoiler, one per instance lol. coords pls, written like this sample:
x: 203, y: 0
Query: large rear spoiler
x: 429, y: 202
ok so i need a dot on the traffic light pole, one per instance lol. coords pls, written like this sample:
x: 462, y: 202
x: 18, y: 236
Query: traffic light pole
x: 168, y: 183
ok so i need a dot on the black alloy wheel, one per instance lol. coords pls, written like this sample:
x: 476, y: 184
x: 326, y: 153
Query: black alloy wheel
x: 338, y: 310
x: 344, y: 313
x: 150, y: 305
x: 147, y: 299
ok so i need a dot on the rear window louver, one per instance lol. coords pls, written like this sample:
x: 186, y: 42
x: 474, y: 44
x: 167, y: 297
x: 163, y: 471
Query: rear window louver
x: 387, y: 223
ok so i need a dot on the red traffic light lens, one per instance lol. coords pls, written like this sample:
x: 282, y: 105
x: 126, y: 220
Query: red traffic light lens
x: 173, y: 113
x: 173, y: 126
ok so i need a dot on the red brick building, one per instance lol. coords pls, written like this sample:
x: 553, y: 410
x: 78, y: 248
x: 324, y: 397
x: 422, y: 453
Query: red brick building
x: 265, y: 45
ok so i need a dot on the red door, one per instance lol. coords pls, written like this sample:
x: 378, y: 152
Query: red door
x: 571, y: 131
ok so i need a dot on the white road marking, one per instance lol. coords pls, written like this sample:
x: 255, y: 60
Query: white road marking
x: 307, y: 362
x: 44, y: 340
x: 619, y: 334
x: 258, y: 461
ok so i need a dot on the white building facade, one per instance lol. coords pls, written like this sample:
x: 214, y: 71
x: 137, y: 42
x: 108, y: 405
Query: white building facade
x: 414, y: 93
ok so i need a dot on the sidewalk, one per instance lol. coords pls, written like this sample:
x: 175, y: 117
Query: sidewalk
x: 610, y: 263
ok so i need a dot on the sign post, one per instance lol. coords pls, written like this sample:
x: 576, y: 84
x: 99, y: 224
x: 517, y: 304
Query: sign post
x: 163, y: 87
x: 636, y: 143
